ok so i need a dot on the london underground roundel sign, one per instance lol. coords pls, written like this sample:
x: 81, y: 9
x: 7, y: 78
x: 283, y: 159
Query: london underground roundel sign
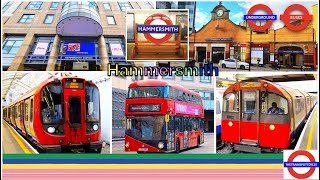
x: 286, y: 17
x: 158, y: 28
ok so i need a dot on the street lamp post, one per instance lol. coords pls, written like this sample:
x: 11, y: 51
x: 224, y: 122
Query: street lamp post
x: 250, y: 50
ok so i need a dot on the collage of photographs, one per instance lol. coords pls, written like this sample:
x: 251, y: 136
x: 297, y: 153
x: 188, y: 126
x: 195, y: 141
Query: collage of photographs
x: 194, y: 77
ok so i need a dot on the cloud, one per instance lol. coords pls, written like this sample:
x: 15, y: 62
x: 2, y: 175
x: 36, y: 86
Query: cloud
x: 237, y: 17
x: 277, y: 7
x: 202, y: 18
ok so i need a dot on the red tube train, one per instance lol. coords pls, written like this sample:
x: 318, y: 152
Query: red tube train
x: 60, y: 114
x: 262, y: 116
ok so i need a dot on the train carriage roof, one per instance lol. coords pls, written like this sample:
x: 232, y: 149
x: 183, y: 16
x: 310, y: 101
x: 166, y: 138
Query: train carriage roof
x: 161, y: 83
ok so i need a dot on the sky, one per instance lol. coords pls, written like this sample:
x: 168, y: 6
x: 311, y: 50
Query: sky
x: 239, y: 8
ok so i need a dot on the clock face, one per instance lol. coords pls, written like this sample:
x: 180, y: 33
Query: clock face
x: 220, y: 12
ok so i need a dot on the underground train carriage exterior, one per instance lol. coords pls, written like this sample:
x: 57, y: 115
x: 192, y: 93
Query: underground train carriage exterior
x: 161, y: 117
x: 263, y: 116
x: 59, y: 115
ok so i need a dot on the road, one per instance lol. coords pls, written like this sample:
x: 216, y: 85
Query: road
x: 207, y: 147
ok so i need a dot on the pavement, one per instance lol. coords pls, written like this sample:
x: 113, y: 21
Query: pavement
x: 207, y: 147
x: 253, y: 68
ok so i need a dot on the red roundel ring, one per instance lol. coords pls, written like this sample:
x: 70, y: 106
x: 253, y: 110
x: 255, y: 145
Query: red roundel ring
x: 258, y: 7
x: 309, y: 156
x: 162, y: 17
x: 306, y: 17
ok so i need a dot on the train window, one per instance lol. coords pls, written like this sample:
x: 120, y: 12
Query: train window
x: 75, y: 110
x: 92, y: 104
x: 274, y: 104
x: 218, y: 109
x: 249, y: 99
x: 299, y: 105
x: 51, y: 104
x: 26, y: 112
x: 231, y: 103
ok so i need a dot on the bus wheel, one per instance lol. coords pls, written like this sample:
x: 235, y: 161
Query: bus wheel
x: 177, y: 146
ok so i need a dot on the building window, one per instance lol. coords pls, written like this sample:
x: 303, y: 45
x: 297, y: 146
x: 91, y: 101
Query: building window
x: 115, y: 46
x: 42, y: 46
x: 5, y: 7
x: 48, y: 19
x: 11, y: 45
x: 136, y: 78
x: 107, y: 6
x: 26, y: 18
x: 54, y: 5
x: 35, y: 5
x: 187, y: 78
x: 168, y: 77
x: 145, y: 5
x: 124, y: 5
x: 111, y: 20
x: 205, y: 79
x: 208, y: 99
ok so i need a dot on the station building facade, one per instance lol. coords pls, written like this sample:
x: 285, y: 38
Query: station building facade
x: 64, y: 35
x: 201, y: 84
x: 220, y: 39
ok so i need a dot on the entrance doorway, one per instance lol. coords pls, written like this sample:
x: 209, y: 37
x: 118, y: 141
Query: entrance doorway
x: 217, y: 54
x: 201, y: 54
x: 77, y: 66
x: 291, y: 56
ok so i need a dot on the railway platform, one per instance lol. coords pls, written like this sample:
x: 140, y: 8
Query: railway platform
x: 309, y: 137
x: 13, y: 143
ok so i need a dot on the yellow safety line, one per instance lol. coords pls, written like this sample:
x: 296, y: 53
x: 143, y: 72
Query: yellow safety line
x: 311, y: 131
x: 19, y: 141
x: 142, y: 166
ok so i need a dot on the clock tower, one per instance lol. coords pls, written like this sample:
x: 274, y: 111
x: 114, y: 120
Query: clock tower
x: 220, y: 12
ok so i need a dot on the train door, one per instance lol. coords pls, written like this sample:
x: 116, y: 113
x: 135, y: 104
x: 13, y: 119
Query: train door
x: 249, y: 126
x: 17, y: 116
x: 23, y: 129
x: 31, y: 111
x: 27, y: 116
x: 75, y: 114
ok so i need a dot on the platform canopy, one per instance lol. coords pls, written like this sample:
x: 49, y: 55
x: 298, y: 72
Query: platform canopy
x: 278, y: 77
x: 16, y: 84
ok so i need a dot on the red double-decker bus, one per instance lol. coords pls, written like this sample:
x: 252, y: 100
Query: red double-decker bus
x: 162, y: 117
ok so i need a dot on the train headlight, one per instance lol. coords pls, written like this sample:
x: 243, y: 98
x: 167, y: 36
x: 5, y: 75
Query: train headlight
x: 95, y: 127
x: 230, y: 123
x: 127, y: 144
x: 272, y: 127
x: 160, y: 145
x: 51, y: 130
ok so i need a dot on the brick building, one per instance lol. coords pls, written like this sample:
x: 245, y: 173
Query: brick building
x: 64, y: 35
x: 220, y: 38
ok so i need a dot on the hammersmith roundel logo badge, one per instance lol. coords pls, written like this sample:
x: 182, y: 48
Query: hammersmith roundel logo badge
x: 158, y: 28
x: 301, y: 164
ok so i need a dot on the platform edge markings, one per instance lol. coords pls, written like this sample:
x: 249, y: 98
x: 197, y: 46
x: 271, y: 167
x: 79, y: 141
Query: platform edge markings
x: 303, y: 133
x: 143, y: 156
x: 19, y: 140
x: 143, y: 166
x: 309, y: 145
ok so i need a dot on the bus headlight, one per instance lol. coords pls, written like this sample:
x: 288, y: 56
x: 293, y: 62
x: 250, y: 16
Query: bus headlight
x: 95, y: 127
x: 230, y: 123
x: 127, y: 144
x: 51, y: 130
x: 160, y: 145
x: 272, y: 127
